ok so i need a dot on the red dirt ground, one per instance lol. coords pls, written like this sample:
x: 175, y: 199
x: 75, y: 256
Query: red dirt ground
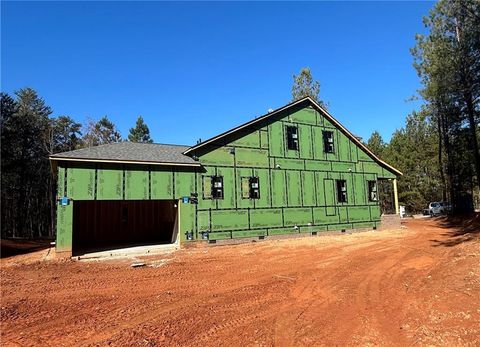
x: 415, y: 286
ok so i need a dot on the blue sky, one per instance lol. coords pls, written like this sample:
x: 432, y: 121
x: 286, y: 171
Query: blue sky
x: 193, y: 70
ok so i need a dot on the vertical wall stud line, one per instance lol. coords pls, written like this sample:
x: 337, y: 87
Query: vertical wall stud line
x: 173, y: 183
x: 302, y: 193
x: 95, y: 184
x: 270, y: 166
x: 312, y: 143
x: 210, y: 219
x: 352, y: 178
x: 65, y: 180
x: 298, y: 140
x: 149, y: 182
x: 123, y: 182
x: 196, y: 205
x: 235, y: 176
x: 286, y: 185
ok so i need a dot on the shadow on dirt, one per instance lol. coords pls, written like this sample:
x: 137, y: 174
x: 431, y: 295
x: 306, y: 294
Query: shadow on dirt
x: 11, y: 247
x: 460, y: 229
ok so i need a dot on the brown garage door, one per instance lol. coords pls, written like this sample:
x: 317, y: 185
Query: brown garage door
x: 102, y: 225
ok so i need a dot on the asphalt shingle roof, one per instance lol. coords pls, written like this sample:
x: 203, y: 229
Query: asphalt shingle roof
x: 131, y: 151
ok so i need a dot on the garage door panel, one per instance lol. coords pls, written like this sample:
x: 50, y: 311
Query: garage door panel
x: 109, y: 224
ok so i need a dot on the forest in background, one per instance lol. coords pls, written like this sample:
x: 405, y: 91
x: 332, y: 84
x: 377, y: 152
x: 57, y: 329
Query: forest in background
x: 29, y: 135
x: 437, y: 149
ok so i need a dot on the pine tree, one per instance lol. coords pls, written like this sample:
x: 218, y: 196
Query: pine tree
x: 376, y: 144
x: 100, y: 133
x: 141, y: 132
x: 304, y: 85
x: 448, y: 63
x: 26, y: 172
x: 65, y: 134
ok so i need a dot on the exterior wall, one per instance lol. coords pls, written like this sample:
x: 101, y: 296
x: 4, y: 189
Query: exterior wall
x: 83, y: 181
x: 297, y: 188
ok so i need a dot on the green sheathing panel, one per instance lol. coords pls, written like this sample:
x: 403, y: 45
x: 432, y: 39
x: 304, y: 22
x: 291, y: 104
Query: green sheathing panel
x: 309, y: 189
x: 375, y: 213
x: 276, y: 133
x: 60, y: 181
x: 220, y: 235
x: 249, y: 233
x: 161, y: 184
x: 248, y: 140
x: 298, y: 216
x: 280, y: 231
x: 322, y: 216
x: 358, y: 214
x: 266, y: 217
x: 264, y: 180
x: 305, y: 140
x: 136, y: 182
x: 81, y: 182
x: 360, y: 183
x: 217, y: 156
x: 343, y: 226
x: 64, y: 228
x: 242, y: 188
x: 204, y: 187
x: 304, y: 115
x: 110, y: 182
x: 264, y: 139
x: 386, y: 174
x: 353, y: 152
x: 294, y: 188
x: 187, y: 219
x: 184, y: 183
x: 203, y: 220
x: 343, y: 147
x: 372, y: 167
x: 317, y: 139
x: 226, y: 220
x: 279, y: 188
x: 228, y: 200
x: 294, y: 164
x: 251, y: 157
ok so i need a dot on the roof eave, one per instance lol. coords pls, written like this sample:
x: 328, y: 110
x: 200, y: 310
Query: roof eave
x: 114, y: 161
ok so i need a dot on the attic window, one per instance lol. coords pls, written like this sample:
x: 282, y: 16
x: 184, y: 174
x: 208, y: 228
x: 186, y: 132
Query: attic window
x: 342, y: 191
x: 217, y: 187
x: 292, y: 137
x: 328, y: 141
x: 372, y: 191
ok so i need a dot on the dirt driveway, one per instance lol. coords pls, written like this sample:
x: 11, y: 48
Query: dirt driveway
x: 415, y: 286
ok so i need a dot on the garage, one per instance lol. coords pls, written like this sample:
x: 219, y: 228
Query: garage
x: 100, y: 225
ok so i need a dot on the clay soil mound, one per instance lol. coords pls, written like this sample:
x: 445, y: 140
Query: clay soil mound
x: 416, y: 286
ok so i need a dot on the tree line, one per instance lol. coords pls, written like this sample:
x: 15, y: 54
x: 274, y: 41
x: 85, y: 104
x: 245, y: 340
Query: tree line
x: 29, y: 135
x: 441, y: 141
x: 438, y: 147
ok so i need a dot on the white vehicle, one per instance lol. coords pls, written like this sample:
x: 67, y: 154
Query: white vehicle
x: 438, y: 208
